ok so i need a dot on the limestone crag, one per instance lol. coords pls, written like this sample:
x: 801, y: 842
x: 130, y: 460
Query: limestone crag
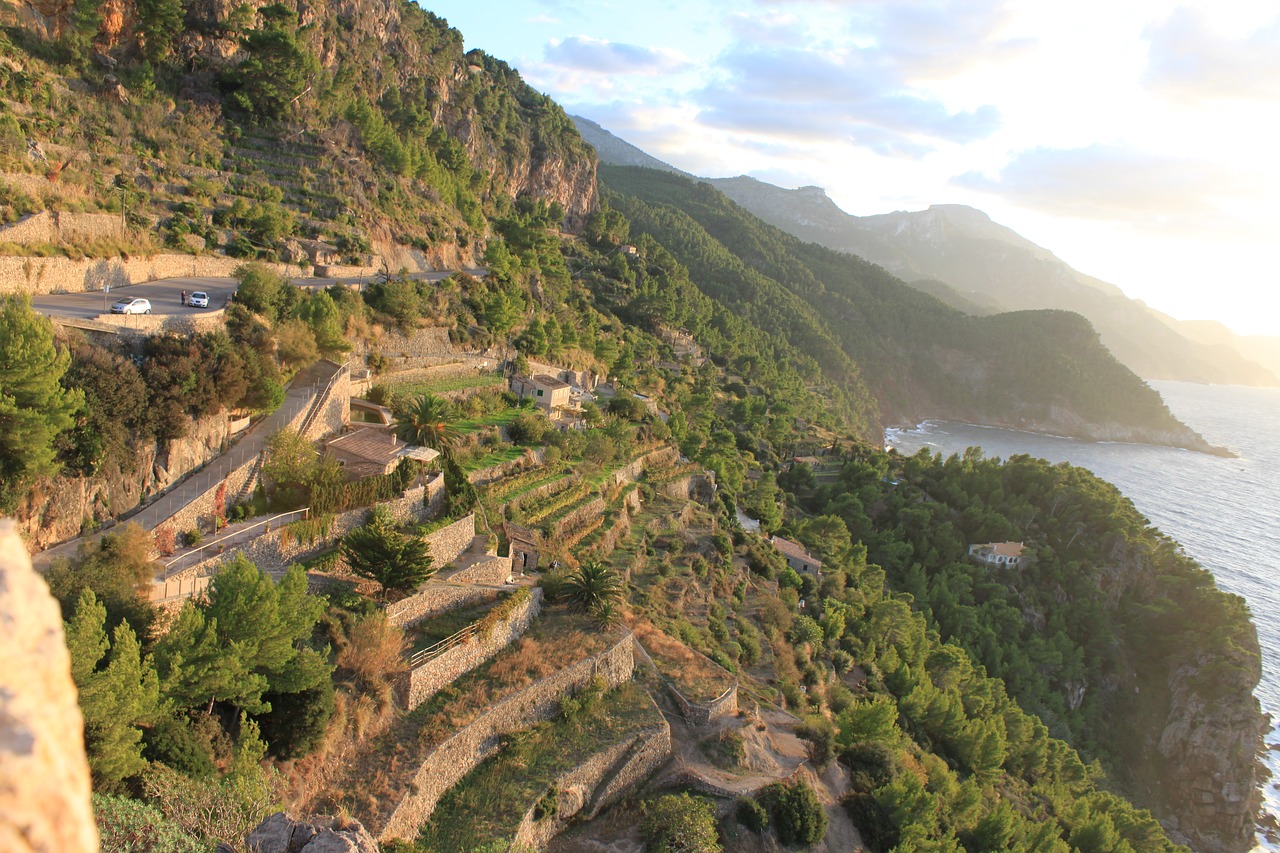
x: 1213, y: 738
x: 59, y: 509
x: 44, y: 775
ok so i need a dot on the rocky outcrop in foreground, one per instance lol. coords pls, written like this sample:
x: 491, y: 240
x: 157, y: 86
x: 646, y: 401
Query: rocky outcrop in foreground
x: 282, y: 834
x: 44, y: 775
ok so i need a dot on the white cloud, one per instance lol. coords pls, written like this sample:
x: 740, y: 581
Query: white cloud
x: 1191, y: 60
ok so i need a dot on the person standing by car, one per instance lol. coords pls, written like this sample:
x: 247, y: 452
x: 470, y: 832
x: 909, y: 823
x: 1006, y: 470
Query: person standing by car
x: 184, y: 297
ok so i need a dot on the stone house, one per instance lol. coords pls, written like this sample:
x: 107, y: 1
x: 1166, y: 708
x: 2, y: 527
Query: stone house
x: 797, y: 557
x: 998, y: 553
x: 524, y: 547
x: 547, y: 392
x: 369, y: 451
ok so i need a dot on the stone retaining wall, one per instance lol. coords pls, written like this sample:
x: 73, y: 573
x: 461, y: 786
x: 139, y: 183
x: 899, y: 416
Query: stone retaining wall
x: 663, y: 457
x: 449, y: 762
x: 276, y: 550
x: 199, y: 513
x: 63, y: 275
x: 491, y: 569
x: 426, y: 680
x: 53, y: 227
x: 595, y: 784
x: 694, y: 487
x: 433, y: 599
x: 700, y: 713
x: 451, y: 542
x: 531, y: 458
x: 581, y: 517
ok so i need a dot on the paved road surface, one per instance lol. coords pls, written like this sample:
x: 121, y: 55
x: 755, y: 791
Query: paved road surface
x: 166, y: 293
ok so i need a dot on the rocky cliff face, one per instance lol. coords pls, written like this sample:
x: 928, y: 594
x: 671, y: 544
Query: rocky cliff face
x: 1212, y: 737
x: 58, y: 509
x: 1199, y: 727
x: 531, y: 149
x: 44, y: 775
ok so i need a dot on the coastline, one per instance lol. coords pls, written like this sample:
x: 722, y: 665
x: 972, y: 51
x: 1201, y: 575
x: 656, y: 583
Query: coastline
x: 1124, y: 436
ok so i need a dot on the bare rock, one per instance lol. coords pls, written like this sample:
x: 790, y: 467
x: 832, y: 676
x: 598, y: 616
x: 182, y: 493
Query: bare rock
x: 282, y: 834
x: 44, y: 775
x: 194, y: 242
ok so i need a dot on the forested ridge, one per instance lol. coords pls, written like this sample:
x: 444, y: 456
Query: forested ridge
x: 919, y: 357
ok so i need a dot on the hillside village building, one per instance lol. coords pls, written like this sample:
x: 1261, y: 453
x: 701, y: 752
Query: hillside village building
x: 369, y: 451
x: 998, y: 553
x: 547, y: 392
x: 797, y: 557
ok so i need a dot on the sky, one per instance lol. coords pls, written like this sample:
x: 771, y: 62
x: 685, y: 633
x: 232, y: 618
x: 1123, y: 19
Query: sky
x: 1135, y: 139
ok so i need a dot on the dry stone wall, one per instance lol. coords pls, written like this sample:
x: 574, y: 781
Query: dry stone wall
x: 425, y: 681
x: 448, y: 763
x: 491, y: 569
x: 584, y: 516
x: 451, y: 542
x: 701, y: 713
x: 63, y: 275
x: 55, y: 227
x: 595, y: 784
x: 433, y: 599
x: 663, y: 457
x: 276, y: 550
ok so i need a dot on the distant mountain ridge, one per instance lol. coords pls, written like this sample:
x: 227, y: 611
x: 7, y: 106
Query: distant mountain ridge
x: 960, y: 255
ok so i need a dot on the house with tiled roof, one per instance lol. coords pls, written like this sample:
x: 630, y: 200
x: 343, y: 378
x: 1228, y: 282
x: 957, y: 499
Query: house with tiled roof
x: 796, y: 555
x: 369, y: 451
x: 998, y: 553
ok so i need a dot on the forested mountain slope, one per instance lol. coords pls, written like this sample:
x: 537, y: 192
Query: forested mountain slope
x: 1042, y: 370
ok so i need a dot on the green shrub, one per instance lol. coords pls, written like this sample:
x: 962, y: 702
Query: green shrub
x: 131, y: 826
x: 194, y: 537
x: 752, y: 815
x: 680, y: 823
x: 796, y: 812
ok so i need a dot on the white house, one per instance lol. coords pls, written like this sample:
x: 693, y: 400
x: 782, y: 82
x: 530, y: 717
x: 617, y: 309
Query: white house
x: 998, y: 553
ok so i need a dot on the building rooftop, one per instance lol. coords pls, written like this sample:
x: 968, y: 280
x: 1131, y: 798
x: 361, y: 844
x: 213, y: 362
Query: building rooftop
x: 550, y: 382
x: 794, y: 550
x: 380, y: 446
x: 1002, y: 549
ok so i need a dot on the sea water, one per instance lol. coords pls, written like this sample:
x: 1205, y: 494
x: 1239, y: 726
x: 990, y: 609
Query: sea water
x: 1224, y: 512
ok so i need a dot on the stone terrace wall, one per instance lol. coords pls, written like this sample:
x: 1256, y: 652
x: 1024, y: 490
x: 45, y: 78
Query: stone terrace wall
x: 597, y: 782
x: 63, y: 275
x: 448, y: 763
x: 530, y: 459
x: 427, y: 680
x: 276, y: 550
x: 491, y: 570
x: 53, y: 227
x: 663, y: 457
x: 699, y: 714
x: 582, y: 517
x: 450, y: 542
x: 433, y: 599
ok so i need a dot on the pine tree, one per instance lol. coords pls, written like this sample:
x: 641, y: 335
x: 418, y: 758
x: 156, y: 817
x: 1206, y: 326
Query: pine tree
x: 34, y: 407
x: 116, y: 699
x: 394, y: 560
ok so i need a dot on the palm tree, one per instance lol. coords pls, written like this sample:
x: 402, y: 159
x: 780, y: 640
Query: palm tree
x: 594, y: 589
x: 426, y: 422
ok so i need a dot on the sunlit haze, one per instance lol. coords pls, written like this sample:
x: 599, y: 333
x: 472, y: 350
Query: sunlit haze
x: 1132, y: 139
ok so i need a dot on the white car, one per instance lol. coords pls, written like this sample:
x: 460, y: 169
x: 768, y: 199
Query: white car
x: 198, y: 299
x: 131, y: 305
